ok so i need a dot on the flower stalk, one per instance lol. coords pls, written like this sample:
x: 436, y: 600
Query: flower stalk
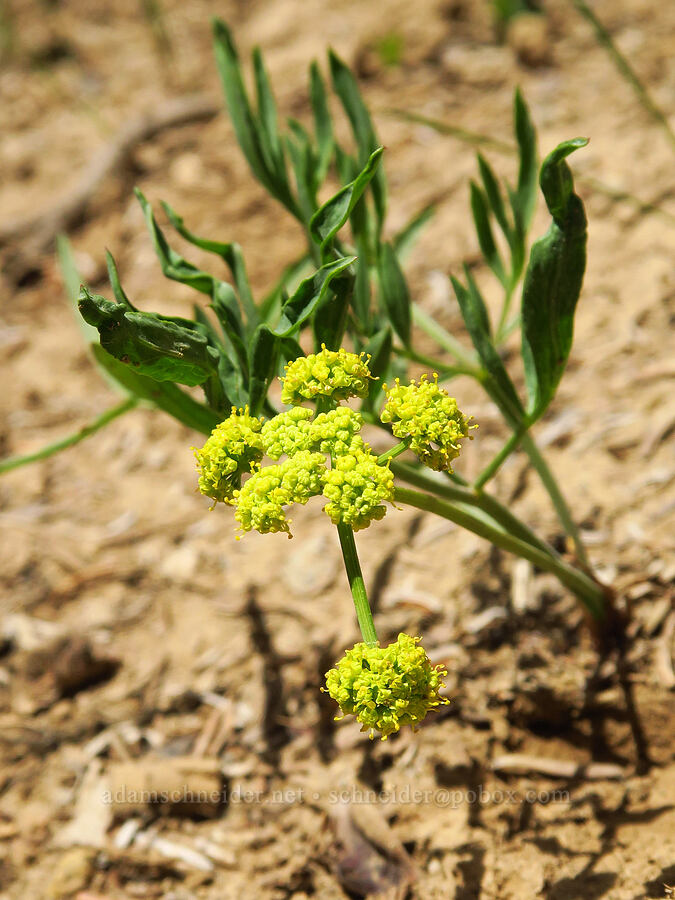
x: 588, y: 591
x: 356, y: 584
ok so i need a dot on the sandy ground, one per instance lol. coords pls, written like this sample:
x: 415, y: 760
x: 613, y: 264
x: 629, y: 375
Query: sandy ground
x: 145, y: 648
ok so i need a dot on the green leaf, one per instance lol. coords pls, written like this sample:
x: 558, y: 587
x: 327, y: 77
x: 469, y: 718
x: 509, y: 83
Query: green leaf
x: 347, y: 89
x: 248, y: 129
x: 173, y: 265
x: 476, y: 320
x: 406, y: 238
x: 207, y: 327
x: 267, y: 116
x: 518, y: 237
x: 323, y: 126
x: 154, y: 345
x: 226, y: 308
x: 289, y: 277
x: 238, y: 105
x: 553, y: 281
x: 304, y: 164
x: 493, y: 193
x: 231, y: 381
x: 361, y: 297
x: 72, y: 282
x: 481, y: 218
x: 263, y: 365
x: 115, y: 283
x: 394, y: 292
x: 478, y: 304
x: 526, y: 136
x: 330, y: 319
x: 291, y: 349
x: 164, y: 395
x: 308, y: 295
x: 329, y: 218
x: 69, y: 271
x: 347, y: 167
x: 230, y: 253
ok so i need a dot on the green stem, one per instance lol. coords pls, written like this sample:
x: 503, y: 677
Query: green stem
x: 393, y: 452
x: 561, y: 507
x: 473, y: 499
x: 495, y: 464
x: 590, y: 593
x: 445, y: 372
x: 506, y: 308
x: 357, y: 584
x: 443, y: 338
x: 625, y: 68
x: 517, y: 422
x: 14, y: 462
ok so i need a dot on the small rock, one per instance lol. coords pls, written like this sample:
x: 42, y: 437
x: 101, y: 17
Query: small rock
x: 180, y: 565
x: 527, y: 34
x: 187, y: 170
x: 485, y: 621
x: 72, y: 873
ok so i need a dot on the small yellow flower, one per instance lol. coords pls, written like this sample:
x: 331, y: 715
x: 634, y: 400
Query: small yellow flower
x: 386, y: 687
x: 330, y: 374
x: 234, y: 448
x: 427, y: 415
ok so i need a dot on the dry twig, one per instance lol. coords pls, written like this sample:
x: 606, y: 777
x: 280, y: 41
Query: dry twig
x: 67, y: 209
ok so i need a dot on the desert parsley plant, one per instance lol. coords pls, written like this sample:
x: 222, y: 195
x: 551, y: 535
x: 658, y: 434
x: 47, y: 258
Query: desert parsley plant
x: 348, y: 297
x: 325, y: 454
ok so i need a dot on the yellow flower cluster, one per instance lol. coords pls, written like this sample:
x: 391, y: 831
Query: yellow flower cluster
x: 386, y: 687
x: 296, y: 429
x: 287, y: 433
x: 336, y: 431
x: 427, y: 415
x: 261, y: 501
x: 325, y: 455
x: 234, y: 448
x: 330, y: 375
x: 357, y: 487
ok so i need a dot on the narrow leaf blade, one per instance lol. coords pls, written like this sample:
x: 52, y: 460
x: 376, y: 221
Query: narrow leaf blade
x: 230, y: 253
x: 308, y: 295
x: 481, y: 218
x: 329, y: 218
x: 407, y: 237
x: 395, y: 292
x: 526, y: 137
x: 476, y: 321
x: 493, y: 193
x: 263, y: 365
x: 323, y: 125
x: 347, y: 89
